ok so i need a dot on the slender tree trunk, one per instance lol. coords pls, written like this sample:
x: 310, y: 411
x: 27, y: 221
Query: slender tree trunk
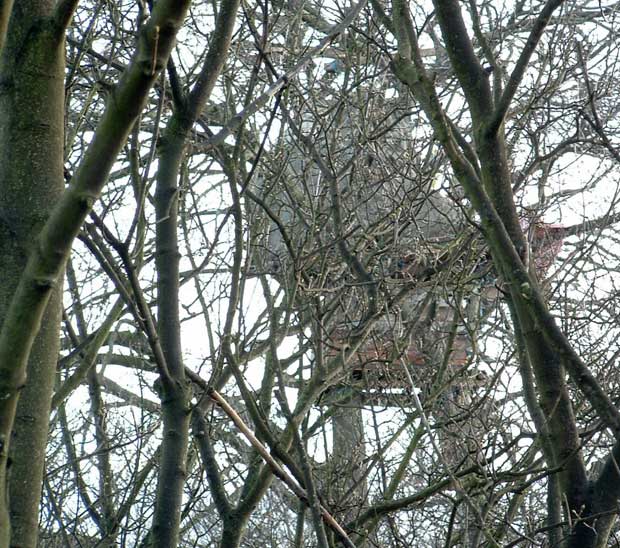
x: 173, y: 385
x: 175, y: 392
x: 31, y: 430
x: 31, y: 180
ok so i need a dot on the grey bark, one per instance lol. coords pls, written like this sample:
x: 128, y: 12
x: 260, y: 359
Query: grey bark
x: 31, y: 180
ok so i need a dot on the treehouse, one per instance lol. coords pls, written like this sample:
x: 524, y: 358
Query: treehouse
x: 377, y: 364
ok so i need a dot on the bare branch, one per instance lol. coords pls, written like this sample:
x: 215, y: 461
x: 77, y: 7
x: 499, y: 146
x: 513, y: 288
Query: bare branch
x: 277, y: 469
x: 521, y: 66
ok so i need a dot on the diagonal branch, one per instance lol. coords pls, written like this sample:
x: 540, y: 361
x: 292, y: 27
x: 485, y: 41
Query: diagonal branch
x: 276, y: 468
x: 63, y: 14
x: 409, y: 68
x: 53, y: 244
x: 522, y: 64
x: 463, y: 58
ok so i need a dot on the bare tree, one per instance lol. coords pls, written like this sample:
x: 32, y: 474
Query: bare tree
x: 350, y: 279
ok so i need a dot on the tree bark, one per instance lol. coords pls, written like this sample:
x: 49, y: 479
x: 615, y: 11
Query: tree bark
x: 33, y: 231
x: 31, y: 180
x: 175, y: 392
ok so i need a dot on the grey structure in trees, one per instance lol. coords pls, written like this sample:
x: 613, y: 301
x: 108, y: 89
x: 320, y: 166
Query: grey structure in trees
x: 358, y: 219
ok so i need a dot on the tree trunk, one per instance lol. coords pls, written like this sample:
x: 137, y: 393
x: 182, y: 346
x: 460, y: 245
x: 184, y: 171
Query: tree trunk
x: 31, y: 180
x: 233, y: 529
x: 175, y: 392
x: 349, y: 473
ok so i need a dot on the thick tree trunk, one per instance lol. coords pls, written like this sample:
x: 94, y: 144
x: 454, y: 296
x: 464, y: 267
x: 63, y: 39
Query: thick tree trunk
x: 233, y: 530
x: 31, y: 180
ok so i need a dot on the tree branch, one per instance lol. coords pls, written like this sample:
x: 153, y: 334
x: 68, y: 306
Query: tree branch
x: 53, y: 245
x: 522, y: 64
x: 277, y: 469
x: 463, y: 58
x: 63, y: 14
